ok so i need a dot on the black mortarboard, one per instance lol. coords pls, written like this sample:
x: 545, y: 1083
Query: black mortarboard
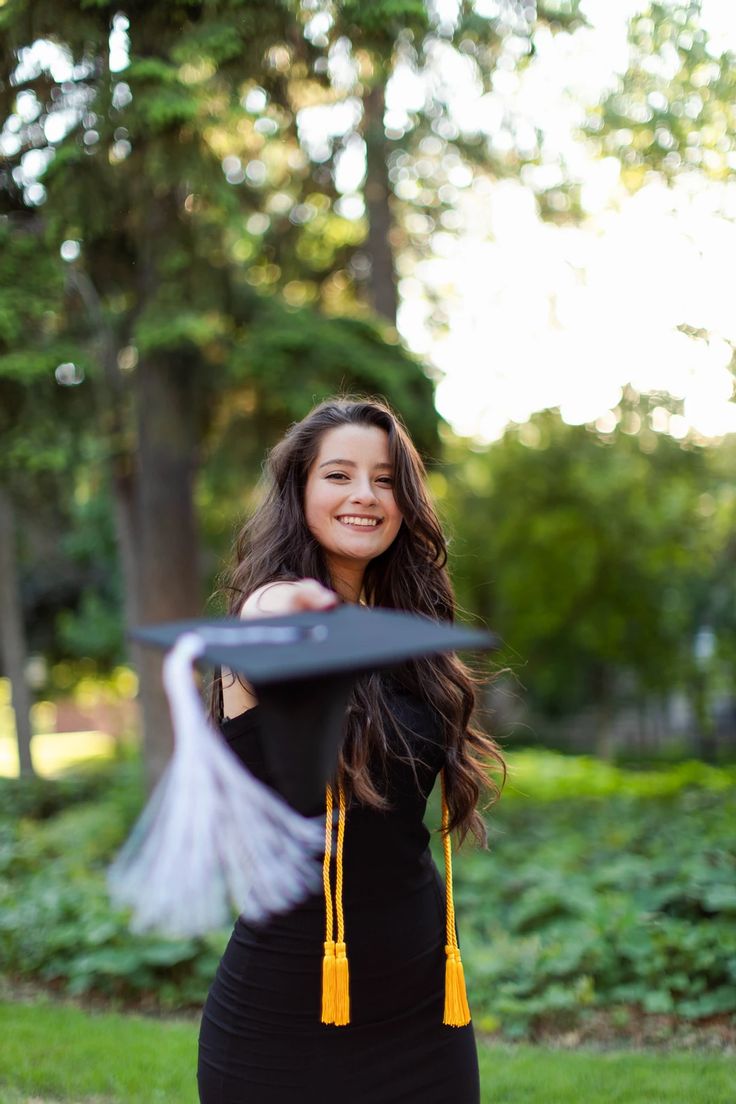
x: 303, y: 667
x: 348, y: 639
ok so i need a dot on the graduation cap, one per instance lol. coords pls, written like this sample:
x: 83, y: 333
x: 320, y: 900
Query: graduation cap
x: 212, y: 834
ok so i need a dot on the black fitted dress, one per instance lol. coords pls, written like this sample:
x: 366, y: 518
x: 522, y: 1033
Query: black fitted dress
x: 261, y: 1039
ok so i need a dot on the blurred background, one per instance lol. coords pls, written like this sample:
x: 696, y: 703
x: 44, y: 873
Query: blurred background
x: 517, y: 223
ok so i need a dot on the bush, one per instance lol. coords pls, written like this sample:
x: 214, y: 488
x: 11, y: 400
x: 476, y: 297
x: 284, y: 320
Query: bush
x: 603, y: 888
x: 591, y: 902
x: 56, y: 922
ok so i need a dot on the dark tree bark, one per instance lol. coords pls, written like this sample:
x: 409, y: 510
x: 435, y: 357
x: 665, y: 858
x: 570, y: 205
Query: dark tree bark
x: 705, y: 740
x: 167, y: 560
x: 12, y: 633
x: 382, y: 280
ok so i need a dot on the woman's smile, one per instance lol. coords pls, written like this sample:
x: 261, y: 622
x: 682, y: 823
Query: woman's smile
x: 359, y: 521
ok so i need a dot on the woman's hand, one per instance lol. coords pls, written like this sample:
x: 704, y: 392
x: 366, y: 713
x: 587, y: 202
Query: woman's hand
x: 282, y: 597
x: 269, y: 601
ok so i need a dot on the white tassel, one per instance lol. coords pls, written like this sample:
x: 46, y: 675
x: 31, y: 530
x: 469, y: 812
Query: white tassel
x: 211, y: 833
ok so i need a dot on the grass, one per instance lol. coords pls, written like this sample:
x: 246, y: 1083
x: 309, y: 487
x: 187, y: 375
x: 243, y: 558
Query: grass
x: 57, y: 1052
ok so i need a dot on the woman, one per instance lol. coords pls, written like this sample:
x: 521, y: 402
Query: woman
x: 347, y: 518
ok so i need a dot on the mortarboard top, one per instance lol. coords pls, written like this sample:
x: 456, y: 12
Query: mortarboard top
x: 318, y: 643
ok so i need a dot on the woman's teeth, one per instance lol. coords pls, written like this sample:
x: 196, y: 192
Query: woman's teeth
x: 365, y: 523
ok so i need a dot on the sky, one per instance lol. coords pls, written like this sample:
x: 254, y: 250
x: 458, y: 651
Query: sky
x: 541, y: 315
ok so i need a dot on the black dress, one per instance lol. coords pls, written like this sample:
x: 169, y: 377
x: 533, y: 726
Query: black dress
x: 261, y: 1038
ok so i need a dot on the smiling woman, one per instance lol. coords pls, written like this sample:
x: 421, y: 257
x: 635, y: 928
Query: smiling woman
x: 347, y: 517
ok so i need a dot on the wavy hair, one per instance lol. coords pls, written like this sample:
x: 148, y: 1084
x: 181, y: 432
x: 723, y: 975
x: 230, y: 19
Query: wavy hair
x: 275, y: 544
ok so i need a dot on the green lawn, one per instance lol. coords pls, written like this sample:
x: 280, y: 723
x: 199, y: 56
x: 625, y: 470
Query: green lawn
x: 53, y: 1052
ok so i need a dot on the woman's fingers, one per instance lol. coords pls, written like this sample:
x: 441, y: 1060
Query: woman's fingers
x: 310, y: 594
x: 289, y: 597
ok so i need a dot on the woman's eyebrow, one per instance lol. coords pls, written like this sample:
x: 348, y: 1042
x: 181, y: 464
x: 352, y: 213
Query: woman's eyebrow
x: 352, y: 464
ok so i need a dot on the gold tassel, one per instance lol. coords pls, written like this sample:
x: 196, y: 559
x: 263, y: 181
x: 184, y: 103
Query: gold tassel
x: 328, y: 962
x: 328, y: 983
x: 342, y: 971
x: 342, y: 986
x: 457, y: 1011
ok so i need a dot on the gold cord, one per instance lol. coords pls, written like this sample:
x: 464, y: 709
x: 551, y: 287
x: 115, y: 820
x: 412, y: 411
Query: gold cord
x: 335, y: 970
x: 328, y: 962
x: 457, y: 1012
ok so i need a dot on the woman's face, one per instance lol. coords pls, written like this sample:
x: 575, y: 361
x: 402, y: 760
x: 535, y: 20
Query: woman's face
x: 349, y: 501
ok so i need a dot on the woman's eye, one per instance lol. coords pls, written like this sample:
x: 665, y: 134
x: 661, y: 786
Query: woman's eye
x: 384, y: 480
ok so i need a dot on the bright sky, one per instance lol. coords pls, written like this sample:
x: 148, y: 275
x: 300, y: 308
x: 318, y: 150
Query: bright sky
x: 544, y: 316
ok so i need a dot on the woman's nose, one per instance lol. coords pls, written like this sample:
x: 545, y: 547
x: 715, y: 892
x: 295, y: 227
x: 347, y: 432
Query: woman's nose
x: 363, y: 491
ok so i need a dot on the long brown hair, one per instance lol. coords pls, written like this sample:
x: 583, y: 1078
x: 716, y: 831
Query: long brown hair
x: 276, y: 544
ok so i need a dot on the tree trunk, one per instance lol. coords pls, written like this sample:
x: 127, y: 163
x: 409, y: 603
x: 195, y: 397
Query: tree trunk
x: 382, y: 280
x: 705, y: 736
x: 12, y: 634
x: 167, y: 559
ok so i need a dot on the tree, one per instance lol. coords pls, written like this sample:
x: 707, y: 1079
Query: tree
x: 139, y: 173
x: 673, y: 111
x: 588, y: 555
x: 417, y: 165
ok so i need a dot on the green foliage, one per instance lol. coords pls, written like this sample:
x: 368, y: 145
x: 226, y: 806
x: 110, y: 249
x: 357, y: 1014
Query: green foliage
x: 602, y: 888
x: 590, y: 556
x: 35, y: 439
x: 30, y: 290
x: 56, y: 921
x: 162, y: 101
x: 378, y: 25
x: 40, y: 798
x: 547, y: 776
x: 585, y: 903
x: 674, y: 109
x: 161, y: 329
x: 298, y: 357
x: 94, y: 629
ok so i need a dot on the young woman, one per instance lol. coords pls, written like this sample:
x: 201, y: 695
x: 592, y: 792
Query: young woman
x: 347, y: 518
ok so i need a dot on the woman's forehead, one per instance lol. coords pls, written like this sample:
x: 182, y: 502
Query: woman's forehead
x: 354, y: 442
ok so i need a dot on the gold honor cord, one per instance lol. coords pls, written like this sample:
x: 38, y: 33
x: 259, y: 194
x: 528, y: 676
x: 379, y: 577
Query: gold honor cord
x: 457, y: 1012
x: 335, y: 971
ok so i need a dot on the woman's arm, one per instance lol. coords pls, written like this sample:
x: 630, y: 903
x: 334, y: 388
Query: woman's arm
x: 269, y: 601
